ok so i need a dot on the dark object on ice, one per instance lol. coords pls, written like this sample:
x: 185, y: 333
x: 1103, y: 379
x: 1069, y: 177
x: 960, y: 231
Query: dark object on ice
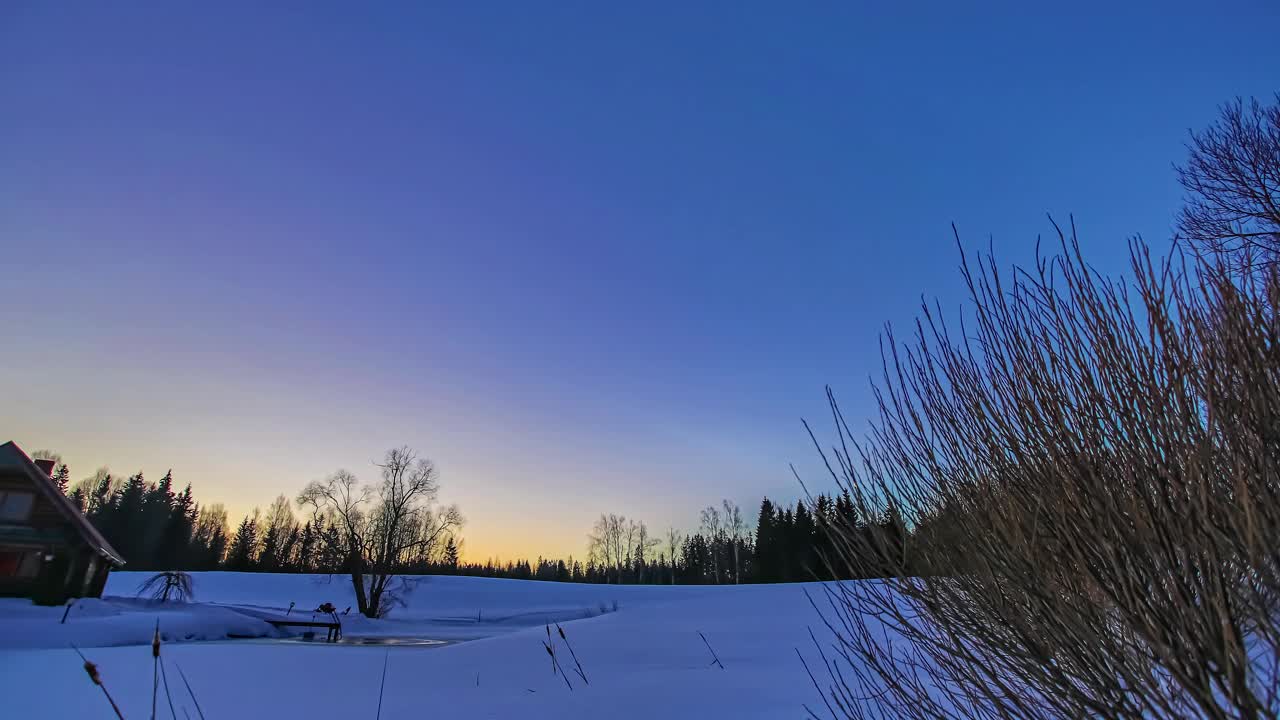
x: 333, y: 626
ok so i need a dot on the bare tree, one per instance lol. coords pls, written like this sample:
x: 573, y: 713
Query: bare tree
x: 60, y: 473
x: 278, y: 526
x: 211, y: 533
x: 604, y: 544
x: 97, y: 490
x: 382, y: 526
x: 45, y: 454
x: 713, y: 528
x: 644, y: 545
x: 674, y: 540
x: 209, y: 520
x: 170, y: 585
x: 736, y: 529
x: 619, y: 545
x: 1232, y: 178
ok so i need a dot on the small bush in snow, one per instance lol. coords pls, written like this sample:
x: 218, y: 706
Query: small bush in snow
x: 168, y: 586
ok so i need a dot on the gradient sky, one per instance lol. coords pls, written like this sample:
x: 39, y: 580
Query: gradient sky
x: 587, y: 259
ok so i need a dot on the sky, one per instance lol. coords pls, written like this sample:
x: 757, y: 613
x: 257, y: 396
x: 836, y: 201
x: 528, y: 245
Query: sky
x: 587, y: 257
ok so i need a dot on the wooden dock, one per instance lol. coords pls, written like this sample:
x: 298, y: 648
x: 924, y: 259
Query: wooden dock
x: 322, y: 617
x: 334, y: 627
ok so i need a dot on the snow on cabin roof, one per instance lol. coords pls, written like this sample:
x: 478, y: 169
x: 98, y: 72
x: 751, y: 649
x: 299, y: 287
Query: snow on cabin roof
x: 12, y: 457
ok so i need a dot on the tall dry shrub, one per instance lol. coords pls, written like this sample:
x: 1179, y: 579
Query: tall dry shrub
x: 1089, y: 469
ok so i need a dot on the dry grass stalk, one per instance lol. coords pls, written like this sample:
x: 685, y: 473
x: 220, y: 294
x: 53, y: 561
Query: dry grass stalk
x: 383, y: 685
x: 164, y: 678
x: 158, y: 665
x: 581, y: 673
x: 191, y: 692
x: 155, y: 669
x: 1091, y: 471
x: 91, y: 670
x: 715, y: 658
x: 555, y: 662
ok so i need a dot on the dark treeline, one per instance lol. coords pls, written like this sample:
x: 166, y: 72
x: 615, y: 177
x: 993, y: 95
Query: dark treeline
x: 789, y: 544
x: 157, y: 527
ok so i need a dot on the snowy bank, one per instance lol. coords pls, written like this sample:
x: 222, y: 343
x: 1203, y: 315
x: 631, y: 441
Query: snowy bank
x: 98, y: 623
x: 645, y: 660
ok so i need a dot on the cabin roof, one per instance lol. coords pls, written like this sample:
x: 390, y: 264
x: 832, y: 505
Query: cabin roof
x: 12, y: 458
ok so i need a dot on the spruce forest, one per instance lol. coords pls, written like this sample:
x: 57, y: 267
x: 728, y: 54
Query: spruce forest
x: 159, y: 527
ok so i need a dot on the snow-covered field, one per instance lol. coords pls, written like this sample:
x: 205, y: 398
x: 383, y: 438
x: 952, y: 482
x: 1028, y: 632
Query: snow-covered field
x: 643, y: 660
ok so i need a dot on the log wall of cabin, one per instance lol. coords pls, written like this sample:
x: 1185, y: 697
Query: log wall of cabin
x: 74, y: 571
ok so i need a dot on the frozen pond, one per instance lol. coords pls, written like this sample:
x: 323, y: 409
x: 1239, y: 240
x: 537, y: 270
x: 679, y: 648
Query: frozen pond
x: 353, y: 641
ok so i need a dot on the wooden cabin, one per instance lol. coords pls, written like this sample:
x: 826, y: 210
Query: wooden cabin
x: 49, y: 551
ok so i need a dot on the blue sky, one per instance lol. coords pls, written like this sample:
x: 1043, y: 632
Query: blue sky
x: 588, y: 258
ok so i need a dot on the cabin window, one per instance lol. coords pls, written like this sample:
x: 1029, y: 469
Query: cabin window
x: 15, y: 506
x: 19, y: 563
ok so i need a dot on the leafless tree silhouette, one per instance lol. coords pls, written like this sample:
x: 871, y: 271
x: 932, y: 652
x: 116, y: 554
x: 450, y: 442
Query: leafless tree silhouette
x: 736, y: 529
x: 1232, y: 178
x: 713, y: 527
x: 169, y: 585
x: 382, y: 527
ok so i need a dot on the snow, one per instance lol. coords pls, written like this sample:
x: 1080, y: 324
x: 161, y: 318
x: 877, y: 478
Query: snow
x: 119, y: 622
x: 644, y: 660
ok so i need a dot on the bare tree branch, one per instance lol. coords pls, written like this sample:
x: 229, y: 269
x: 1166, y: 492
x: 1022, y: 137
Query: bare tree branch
x: 382, y: 527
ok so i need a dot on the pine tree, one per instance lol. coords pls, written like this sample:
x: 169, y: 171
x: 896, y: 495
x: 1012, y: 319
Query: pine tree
x: 153, y: 520
x: 209, y: 537
x: 78, y: 499
x: 216, y: 550
x: 303, y: 561
x: 100, y: 496
x: 845, y: 510
x: 62, y: 477
x: 331, y: 559
x: 124, y: 517
x: 824, y: 516
x: 802, y: 544
x: 765, y: 569
x: 451, y: 556
x: 175, y: 552
x: 785, y: 523
x: 288, y: 549
x: 266, y: 559
x: 243, y: 553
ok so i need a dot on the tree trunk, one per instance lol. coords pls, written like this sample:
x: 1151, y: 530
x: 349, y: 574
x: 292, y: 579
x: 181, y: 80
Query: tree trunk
x: 376, y: 588
x: 357, y: 584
